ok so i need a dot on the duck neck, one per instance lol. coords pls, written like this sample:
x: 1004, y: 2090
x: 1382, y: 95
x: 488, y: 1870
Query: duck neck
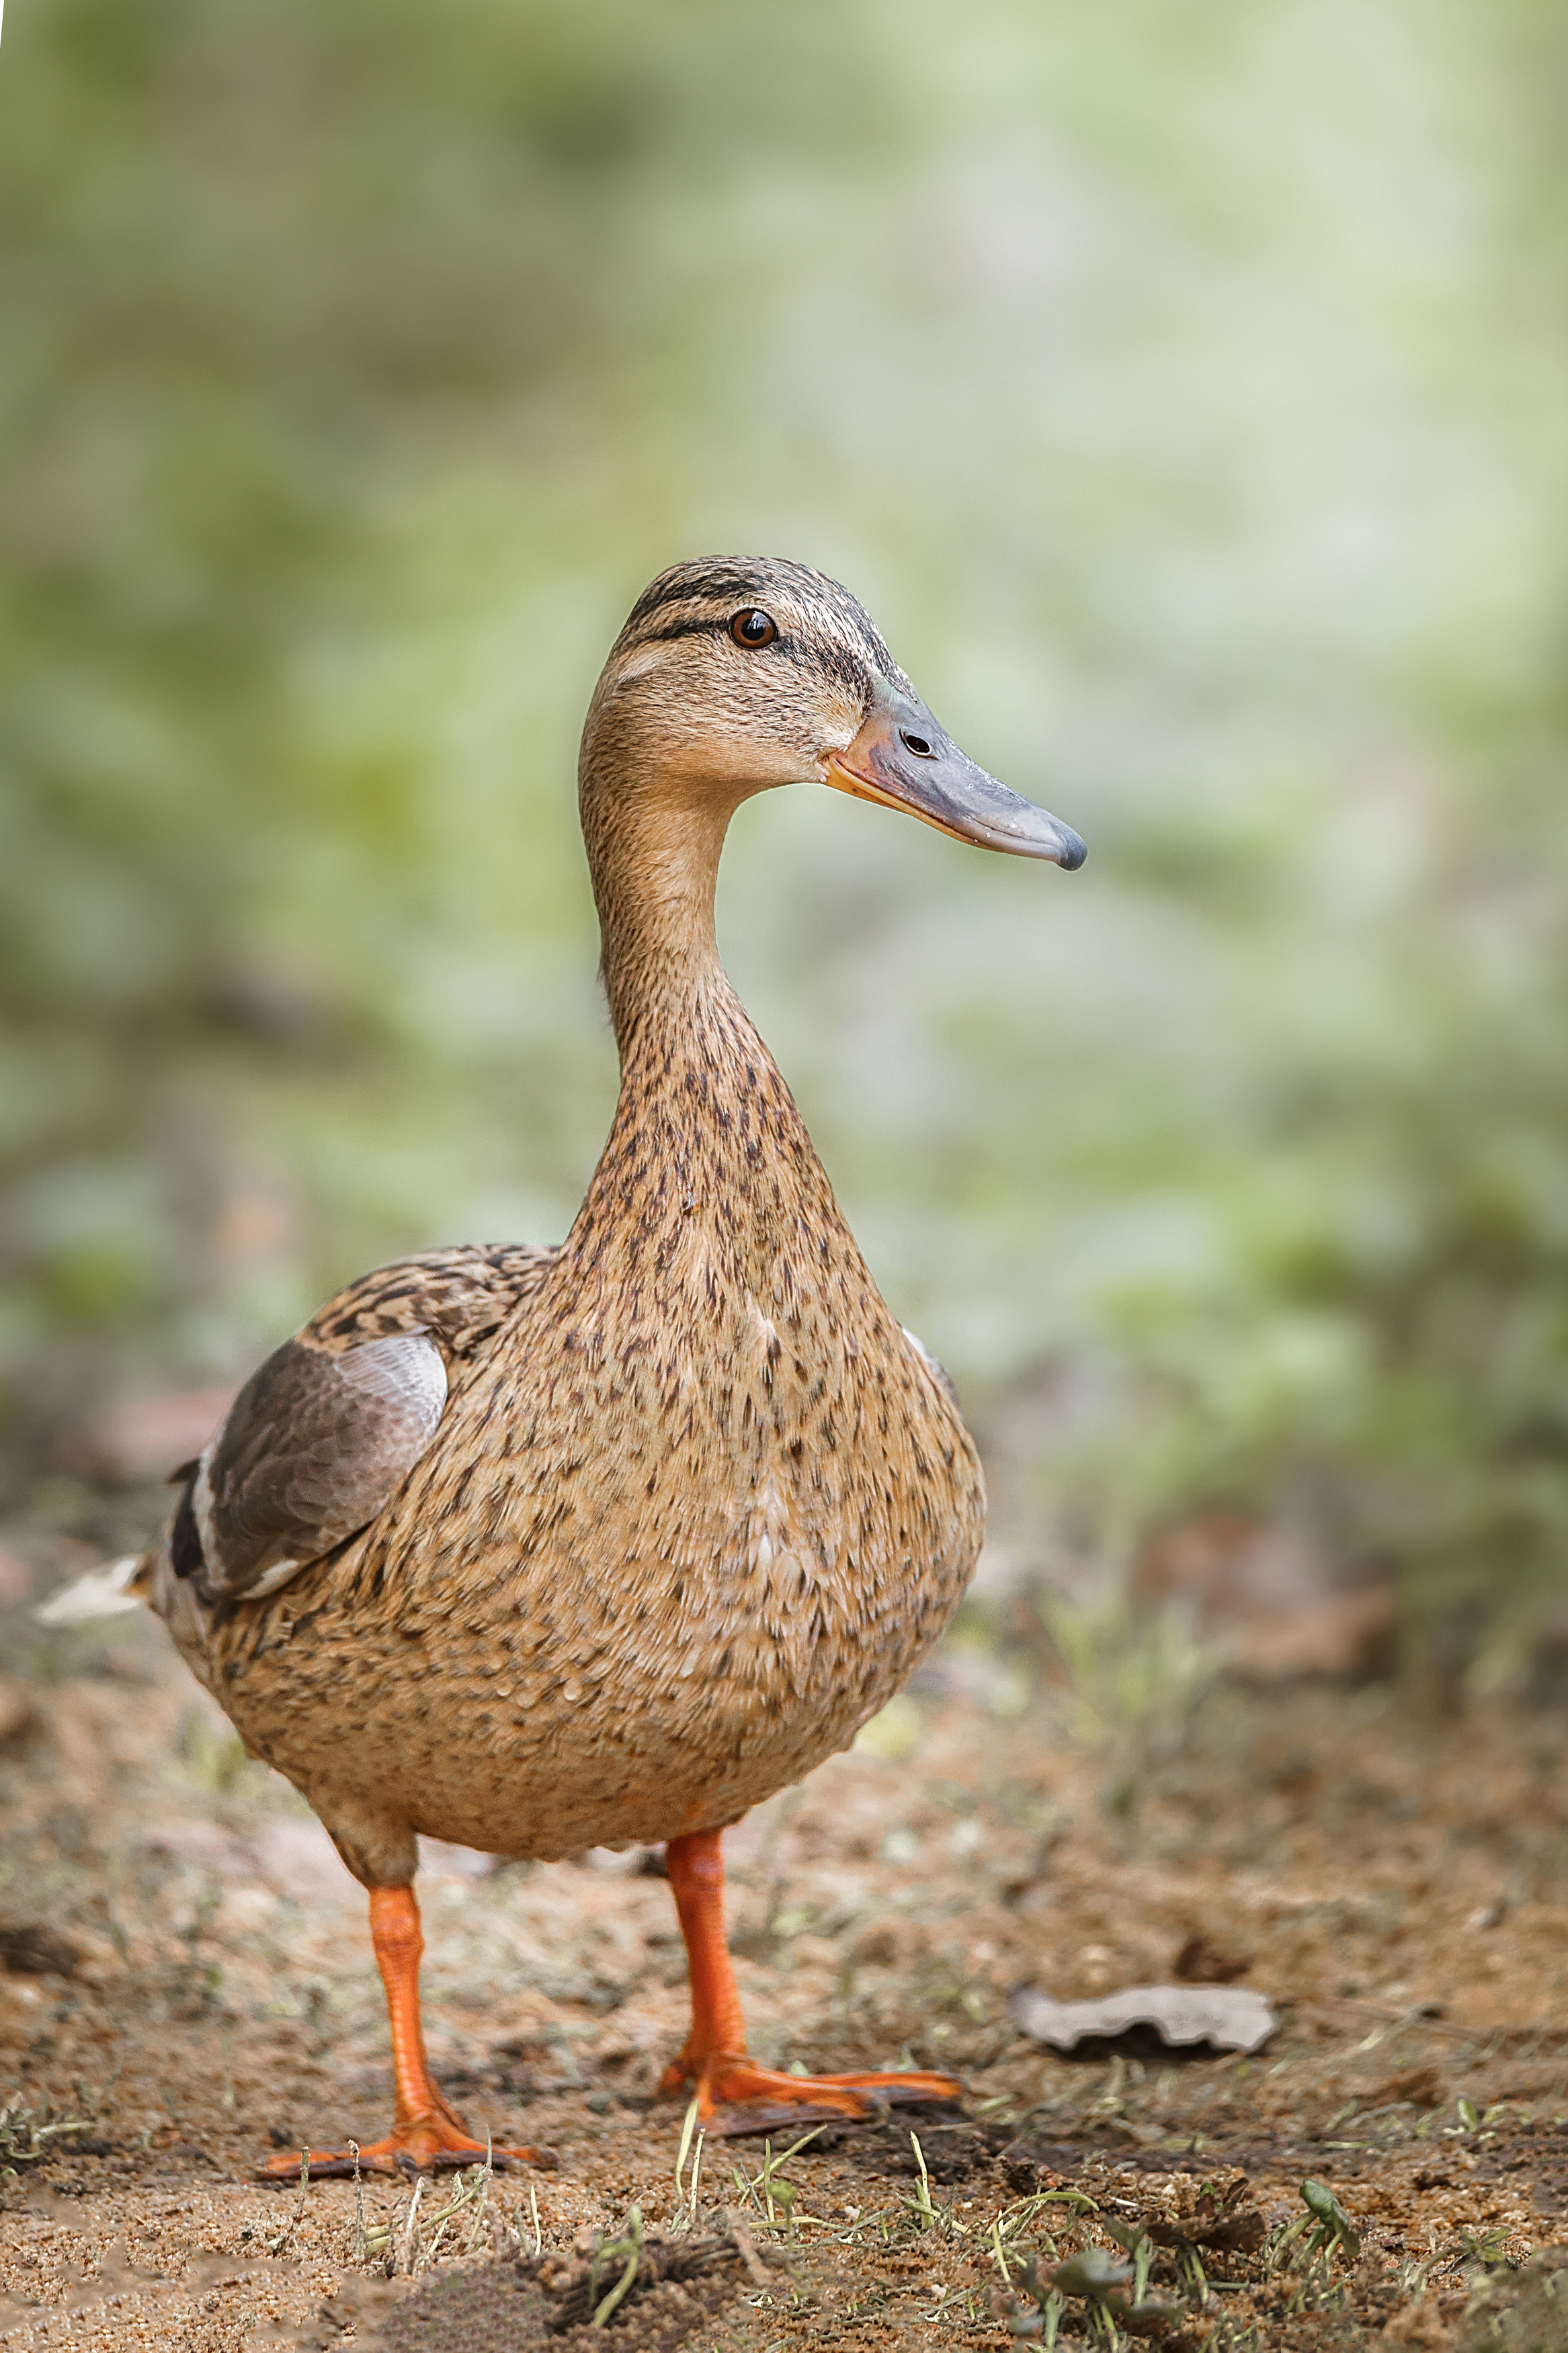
x: 705, y: 1127
x: 655, y: 871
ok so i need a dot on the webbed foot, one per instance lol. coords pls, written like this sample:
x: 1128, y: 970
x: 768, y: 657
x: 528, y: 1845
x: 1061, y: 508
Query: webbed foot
x: 735, y: 2095
x: 433, y: 2142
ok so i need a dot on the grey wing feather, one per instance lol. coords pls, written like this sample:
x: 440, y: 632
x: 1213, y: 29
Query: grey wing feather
x: 311, y: 1449
x: 322, y: 1435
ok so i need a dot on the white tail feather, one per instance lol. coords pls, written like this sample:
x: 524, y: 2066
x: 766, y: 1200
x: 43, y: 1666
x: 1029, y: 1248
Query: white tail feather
x: 97, y: 1593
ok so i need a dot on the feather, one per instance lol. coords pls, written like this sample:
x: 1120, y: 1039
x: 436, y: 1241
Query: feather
x: 106, y: 1592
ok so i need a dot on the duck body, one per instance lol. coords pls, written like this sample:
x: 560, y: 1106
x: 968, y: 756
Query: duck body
x: 694, y: 1511
x: 535, y: 1550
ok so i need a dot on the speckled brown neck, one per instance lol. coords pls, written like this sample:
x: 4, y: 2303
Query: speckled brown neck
x: 705, y: 1127
x: 654, y: 859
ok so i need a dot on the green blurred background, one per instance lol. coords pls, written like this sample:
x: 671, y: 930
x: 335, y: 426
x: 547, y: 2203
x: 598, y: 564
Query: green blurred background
x: 1184, y: 387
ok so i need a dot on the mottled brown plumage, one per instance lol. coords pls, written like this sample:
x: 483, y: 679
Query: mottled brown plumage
x: 693, y: 1504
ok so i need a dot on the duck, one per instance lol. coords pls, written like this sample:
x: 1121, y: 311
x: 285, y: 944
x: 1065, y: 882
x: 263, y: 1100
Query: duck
x: 535, y: 1550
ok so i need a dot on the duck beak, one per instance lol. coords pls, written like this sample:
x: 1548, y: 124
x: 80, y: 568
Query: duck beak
x: 904, y: 759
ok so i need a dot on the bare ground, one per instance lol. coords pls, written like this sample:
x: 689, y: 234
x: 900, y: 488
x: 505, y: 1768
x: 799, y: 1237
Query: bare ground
x: 191, y: 1986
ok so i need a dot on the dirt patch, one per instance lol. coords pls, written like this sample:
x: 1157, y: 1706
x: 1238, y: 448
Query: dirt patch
x: 191, y: 1987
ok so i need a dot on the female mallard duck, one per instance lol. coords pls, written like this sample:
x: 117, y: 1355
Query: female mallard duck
x: 536, y: 1550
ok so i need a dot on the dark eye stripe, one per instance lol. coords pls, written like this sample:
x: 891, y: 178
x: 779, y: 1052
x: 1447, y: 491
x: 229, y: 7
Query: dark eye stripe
x: 726, y: 584
x: 709, y: 628
x: 838, y: 663
x: 715, y: 626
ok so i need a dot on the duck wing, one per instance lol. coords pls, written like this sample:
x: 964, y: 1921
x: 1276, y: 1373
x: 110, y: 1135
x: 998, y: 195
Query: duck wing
x: 323, y: 1433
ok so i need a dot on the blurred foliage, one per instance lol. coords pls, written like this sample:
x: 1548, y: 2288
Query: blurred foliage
x: 1183, y: 385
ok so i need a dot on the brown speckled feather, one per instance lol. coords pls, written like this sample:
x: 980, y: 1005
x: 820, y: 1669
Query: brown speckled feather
x: 696, y: 1504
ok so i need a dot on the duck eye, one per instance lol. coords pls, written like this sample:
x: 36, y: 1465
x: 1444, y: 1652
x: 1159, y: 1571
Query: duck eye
x: 753, y: 628
x: 916, y: 743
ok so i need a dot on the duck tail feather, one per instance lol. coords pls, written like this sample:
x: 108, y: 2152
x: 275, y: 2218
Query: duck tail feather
x: 103, y: 1592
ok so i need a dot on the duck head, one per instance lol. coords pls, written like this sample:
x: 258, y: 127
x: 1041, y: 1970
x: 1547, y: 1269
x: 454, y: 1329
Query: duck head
x: 735, y: 673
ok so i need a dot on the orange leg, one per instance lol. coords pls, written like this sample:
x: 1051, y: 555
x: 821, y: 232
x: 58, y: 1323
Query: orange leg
x: 424, y: 2131
x: 714, y: 2059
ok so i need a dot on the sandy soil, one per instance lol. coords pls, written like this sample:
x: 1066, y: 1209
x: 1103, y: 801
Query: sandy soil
x: 190, y: 1986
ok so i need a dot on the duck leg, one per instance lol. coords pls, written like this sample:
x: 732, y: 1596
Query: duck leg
x: 714, y: 2058
x: 425, y: 2132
